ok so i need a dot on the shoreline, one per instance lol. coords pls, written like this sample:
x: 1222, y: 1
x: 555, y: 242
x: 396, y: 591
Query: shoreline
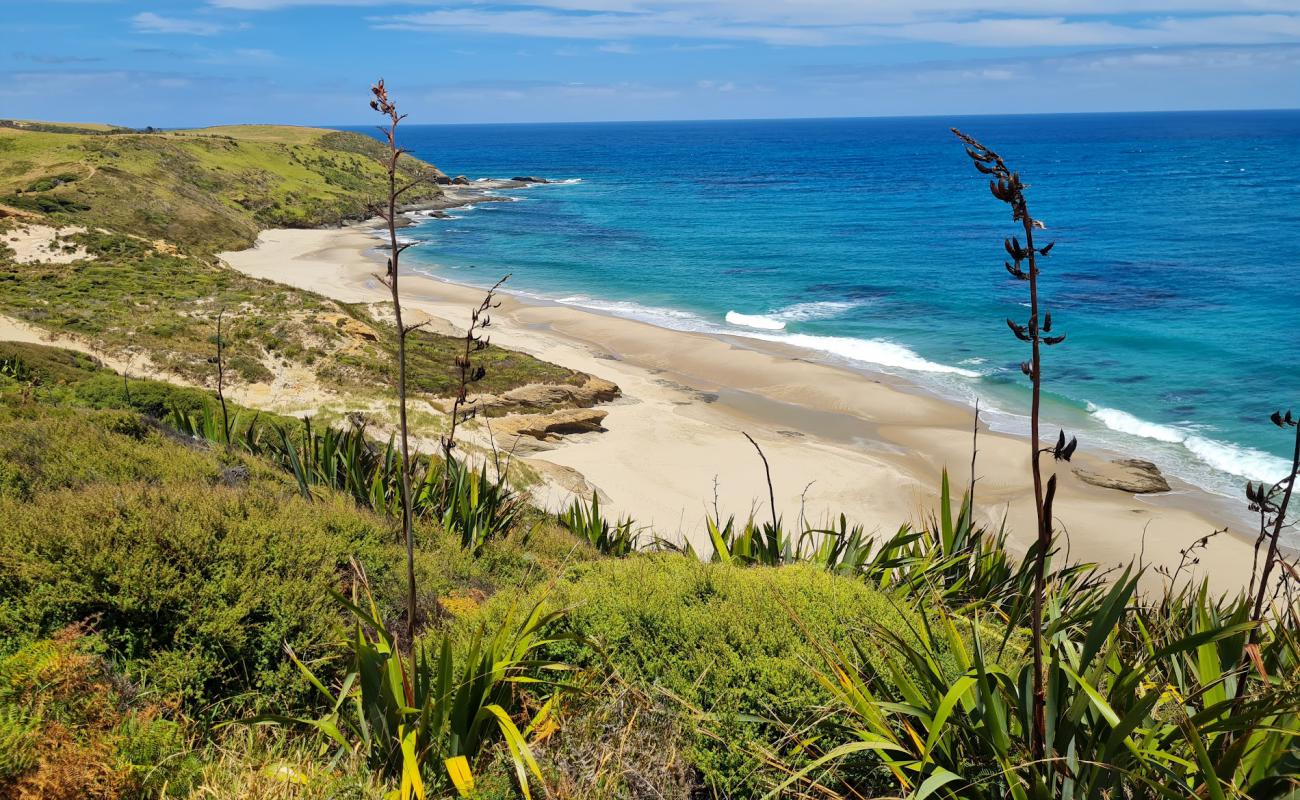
x: 840, y: 440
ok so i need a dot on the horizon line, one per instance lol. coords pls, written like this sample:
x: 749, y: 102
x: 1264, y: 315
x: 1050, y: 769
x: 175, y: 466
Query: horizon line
x: 671, y: 120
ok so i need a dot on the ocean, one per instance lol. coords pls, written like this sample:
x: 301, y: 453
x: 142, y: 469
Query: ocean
x: 876, y: 245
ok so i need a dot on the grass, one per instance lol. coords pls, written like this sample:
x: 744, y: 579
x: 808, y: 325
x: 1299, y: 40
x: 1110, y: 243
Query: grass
x: 202, y: 190
x: 132, y: 298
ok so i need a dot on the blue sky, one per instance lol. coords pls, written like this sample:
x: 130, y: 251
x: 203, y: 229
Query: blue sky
x: 311, y: 61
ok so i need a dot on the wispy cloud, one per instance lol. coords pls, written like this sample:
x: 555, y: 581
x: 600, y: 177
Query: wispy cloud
x: 53, y: 58
x: 1047, y: 69
x: 149, y: 22
x: 1010, y: 24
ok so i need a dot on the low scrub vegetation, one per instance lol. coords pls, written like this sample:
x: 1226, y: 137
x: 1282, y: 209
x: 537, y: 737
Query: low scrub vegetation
x: 204, y: 190
x: 190, y: 567
x: 157, y: 309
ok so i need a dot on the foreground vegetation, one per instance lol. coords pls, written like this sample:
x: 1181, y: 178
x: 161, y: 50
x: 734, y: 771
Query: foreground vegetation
x: 156, y: 587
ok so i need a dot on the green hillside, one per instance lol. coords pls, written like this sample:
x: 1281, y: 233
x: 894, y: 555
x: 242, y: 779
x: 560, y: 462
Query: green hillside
x: 144, y: 285
x: 202, y: 190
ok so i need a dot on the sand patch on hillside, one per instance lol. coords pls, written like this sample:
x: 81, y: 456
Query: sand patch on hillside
x: 43, y: 243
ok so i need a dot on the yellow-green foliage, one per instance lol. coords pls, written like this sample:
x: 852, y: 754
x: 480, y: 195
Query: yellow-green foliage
x: 203, y: 190
x: 730, y: 642
x: 196, y: 568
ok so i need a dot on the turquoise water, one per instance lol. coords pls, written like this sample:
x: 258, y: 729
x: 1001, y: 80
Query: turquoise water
x: 874, y: 243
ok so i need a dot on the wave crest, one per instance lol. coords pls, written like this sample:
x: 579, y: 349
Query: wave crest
x: 757, y: 321
x: 1245, y: 462
x: 866, y: 351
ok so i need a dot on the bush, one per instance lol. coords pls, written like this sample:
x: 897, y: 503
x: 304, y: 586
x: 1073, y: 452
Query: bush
x: 194, y: 570
x: 725, y: 641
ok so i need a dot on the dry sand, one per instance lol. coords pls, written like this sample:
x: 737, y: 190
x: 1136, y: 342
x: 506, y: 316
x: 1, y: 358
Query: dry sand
x: 838, y: 440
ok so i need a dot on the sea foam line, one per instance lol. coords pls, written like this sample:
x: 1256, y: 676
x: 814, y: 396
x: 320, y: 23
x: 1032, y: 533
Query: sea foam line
x: 756, y: 321
x: 1244, y: 462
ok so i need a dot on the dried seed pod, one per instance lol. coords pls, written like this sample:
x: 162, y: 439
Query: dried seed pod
x: 1277, y: 418
x: 1051, y: 340
x: 1048, y: 497
x: 1069, y: 449
x: 1048, y: 249
x: 1018, y: 330
x: 1047, y: 322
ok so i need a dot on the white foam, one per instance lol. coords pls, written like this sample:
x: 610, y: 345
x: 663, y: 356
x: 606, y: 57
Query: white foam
x: 1243, y: 462
x: 1125, y: 422
x: 663, y: 317
x: 821, y: 309
x: 1246, y: 462
x: 866, y: 351
x: 757, y: 321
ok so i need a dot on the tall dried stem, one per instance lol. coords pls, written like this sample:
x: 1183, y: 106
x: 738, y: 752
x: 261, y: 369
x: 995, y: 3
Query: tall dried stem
x: 388, y: 212
x: 1272, y: 514
x: 1006, y: 186
x: 468, y: 373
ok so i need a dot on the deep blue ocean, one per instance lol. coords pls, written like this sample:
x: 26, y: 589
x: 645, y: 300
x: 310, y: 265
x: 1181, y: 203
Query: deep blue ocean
x: 873, y: 242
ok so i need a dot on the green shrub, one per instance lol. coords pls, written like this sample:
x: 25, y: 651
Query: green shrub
x: 726, y: 641
x: 51, y: 182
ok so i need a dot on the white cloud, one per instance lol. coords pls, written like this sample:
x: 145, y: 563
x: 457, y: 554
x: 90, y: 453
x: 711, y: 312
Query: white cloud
x: 149, y: 22
x: 1002, y: 23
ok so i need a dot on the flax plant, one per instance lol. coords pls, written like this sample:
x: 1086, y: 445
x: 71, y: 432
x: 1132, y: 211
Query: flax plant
x: 1007, y: 187
x: 1272, y: 504
x: 388, y: 212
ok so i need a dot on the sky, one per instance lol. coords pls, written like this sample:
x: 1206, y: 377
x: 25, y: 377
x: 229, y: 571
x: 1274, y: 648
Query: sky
x: 205, y: 62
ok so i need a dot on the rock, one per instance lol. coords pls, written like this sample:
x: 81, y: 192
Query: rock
x: 442, y: 180
x: 549, y: 427
x: 528, y: 179
x: 1126, y: 475
x: 460, y: 180
x: 351, y: 327
x: 540, y: 396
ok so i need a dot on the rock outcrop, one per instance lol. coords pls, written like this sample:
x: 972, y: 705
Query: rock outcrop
x: 543, y: 396
x: 528, y: 179
x: 1126, y: 475
x: 549, y: 427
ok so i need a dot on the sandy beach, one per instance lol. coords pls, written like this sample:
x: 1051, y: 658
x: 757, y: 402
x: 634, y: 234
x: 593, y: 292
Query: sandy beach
x: 838, y: 440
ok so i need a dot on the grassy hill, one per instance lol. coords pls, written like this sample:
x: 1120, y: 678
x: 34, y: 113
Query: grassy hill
x: 143, y: 285
x: 202, y: 190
